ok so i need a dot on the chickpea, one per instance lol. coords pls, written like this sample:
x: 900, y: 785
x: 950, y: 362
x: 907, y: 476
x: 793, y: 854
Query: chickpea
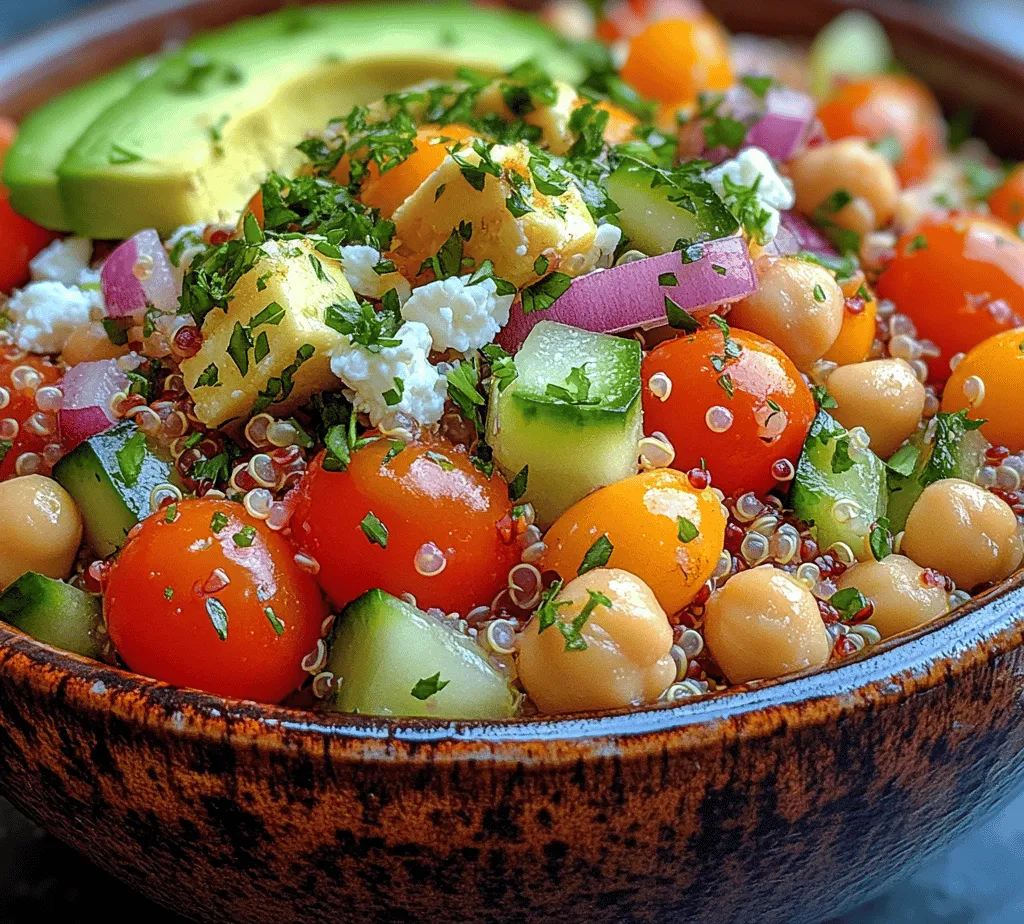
x: 41, y: 526
x: 900, y: 591
x: 798, y: 306
x: 847, y: 168
x: 962, y: 530
x: 626, y: 660
x: 883, y: 396
x: 89, y: 343
x: 764, y: 623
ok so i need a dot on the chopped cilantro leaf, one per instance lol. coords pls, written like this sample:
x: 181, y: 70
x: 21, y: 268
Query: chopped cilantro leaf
x: 597, y: 555
x: 130, y: 458
x: 685, y: 529
x: 374, y: 530
x: 425, y: 688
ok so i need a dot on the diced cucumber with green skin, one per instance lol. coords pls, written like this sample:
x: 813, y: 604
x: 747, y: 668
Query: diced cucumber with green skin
x: 817, y: 489
x: 111, y: 476
x: 381, y: 649
x: 968, y: 456
x: 53, y: 612
x: 652, y: 221
x: 570, y: 448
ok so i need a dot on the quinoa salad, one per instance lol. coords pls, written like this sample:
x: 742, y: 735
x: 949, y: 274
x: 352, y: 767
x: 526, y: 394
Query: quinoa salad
x: 581, y: 362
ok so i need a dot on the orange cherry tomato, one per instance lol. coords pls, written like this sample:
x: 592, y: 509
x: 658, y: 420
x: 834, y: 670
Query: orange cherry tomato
x: 893, y: 107
x: 629, y: 17
x: 857, y: 333
x: 620, y: 123
x: 446, y: 526
x: 739, y: 436
x: 960, y: 280
x: 255, y: 208
x: 674, y: 60
x: 22, y: 239
x: 389, y: 190
x: 640, y: 516
x: 997, y: 367
x: 17, y: 434
x: 1007, y: 202
x: 204, y: 595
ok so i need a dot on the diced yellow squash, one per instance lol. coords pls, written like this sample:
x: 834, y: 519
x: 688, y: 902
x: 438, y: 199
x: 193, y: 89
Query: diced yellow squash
x: 426, y: 219
x: 297, y: 339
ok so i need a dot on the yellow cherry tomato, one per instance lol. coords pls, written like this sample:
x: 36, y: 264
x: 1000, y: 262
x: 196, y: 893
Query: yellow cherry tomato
x: 662, y: 529
x: 674, y: 60
x: 990, y: 381
x: 857, y: 333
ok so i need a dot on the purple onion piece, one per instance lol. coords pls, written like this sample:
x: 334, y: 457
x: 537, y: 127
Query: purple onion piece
x: 138, y: 275
x: 85, y: 410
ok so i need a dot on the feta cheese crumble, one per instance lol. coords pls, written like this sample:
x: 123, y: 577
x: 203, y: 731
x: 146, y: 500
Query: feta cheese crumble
x: 458, y: 315
x: 402, y: 373
x: 773, y: 192
x: 358, y: 262
x: 185, y: 244
x: 46, y: 313
x: 65, y: 261
x: 601, y: 254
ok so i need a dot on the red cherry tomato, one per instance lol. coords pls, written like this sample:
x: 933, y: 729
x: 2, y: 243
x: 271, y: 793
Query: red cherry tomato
x: 737, y: 416
x: 204, y: 595
x: 19, y: 434
x: 448, y: 527
x: 960, y: 280
x: 22, y: 239
x: 889, y: 107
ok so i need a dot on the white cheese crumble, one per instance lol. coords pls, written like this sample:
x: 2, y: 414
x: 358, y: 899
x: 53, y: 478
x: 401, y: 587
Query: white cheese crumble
x: 458, y: 315
x: 601, y: 254
x: 403, y: 372
x: 774, y: 192
x: 45, y: 314
x: 358, y: 262
x: 64, y: 261
x: 185, y: 244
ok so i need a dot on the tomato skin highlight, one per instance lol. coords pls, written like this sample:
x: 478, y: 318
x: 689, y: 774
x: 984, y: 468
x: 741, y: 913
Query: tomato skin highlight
x: 741, y: 457
x: 889, y: 106
x: 960, y: 280
x: 428, y: 493
x: 158, y: 612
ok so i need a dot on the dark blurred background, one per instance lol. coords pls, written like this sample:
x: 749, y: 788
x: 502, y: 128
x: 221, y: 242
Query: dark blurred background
x: 980, y: 881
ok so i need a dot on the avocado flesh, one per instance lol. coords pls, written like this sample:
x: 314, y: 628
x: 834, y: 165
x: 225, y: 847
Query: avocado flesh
x: 44, y: 138
x: 192, y: 141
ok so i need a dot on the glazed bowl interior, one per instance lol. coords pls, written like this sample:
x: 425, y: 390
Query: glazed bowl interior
x: 965, y: 73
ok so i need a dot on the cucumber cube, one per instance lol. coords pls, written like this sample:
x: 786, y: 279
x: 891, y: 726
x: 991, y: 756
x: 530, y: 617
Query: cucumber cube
x: 53, y: 612
x: 573, y: 416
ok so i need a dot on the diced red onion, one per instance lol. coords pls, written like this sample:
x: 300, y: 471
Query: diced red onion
x: 784, y: 126
x: 796, y: 234
x: 85, y: 410
x: 630, y: 295
x: 138, y: 275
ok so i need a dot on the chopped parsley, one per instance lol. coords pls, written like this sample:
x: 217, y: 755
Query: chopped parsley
x: 576, y: 389
x: 819, y: 293
x: 949, y: 431
x: 541, y: 295
x: 130, y: 458
x: 425, y: 688
x: 393, y: 396
x: 904, y: 460
x: 218, y: 615
x: 372, y: 330
x: 244, y: 537
x: 374, y: 530
x: 218, y: 521
x: 686, y: 530
x: 597, y: 555
x: 274, y: 620
x: 517, y: 486
x: 572, y: 632
x: 850, y: 602
x: 679, y: 318
x: 880, y: 539
x: 463, y: 380
x: 280, y: 387
x: 120, y: 155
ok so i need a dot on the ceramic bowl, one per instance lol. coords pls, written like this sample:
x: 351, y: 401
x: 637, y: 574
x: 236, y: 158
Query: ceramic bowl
x: 788, y: 802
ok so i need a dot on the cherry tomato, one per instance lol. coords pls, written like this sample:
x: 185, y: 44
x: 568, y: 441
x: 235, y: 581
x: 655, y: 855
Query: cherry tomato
x: 960, y: 280
x: 894, y: 108
x: 387, y: 191
x: 738, y: 416
x: 857, y: 333
x: 640, y: 517
x: 419, y: 519
x: 620, y: 123
x: 204, y: 595
x: 19, y: 434
x: 674, y: 60
x: 1007, y: 202
x: 22, y: 239
x: 990, y: 381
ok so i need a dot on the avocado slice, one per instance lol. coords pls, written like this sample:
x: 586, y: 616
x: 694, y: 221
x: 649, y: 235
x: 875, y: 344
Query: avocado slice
x: 44, y: 138
x: 193, y: 140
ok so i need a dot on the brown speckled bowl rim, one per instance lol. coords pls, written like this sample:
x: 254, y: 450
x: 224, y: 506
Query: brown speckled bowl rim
x: 983, y: 630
